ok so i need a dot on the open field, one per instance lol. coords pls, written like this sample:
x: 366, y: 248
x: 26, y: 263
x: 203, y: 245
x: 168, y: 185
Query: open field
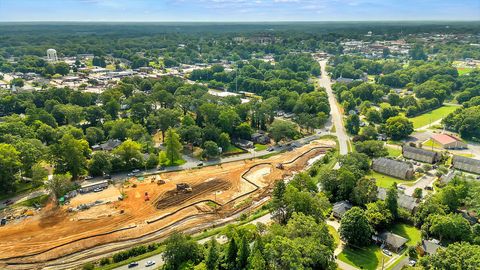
x: 408, y: 231
x: 386, y: 181
x: 61, y: 239
x: 432, y: 116
x: 394, y: 151
x: 364, y: 258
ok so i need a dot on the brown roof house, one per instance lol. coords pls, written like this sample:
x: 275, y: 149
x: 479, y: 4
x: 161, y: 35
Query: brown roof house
x: 420, y: 154
x: 395, y: 168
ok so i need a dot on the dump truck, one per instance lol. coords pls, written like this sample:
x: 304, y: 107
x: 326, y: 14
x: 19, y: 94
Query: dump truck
x: 183, y: 187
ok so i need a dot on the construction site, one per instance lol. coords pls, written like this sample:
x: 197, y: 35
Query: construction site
x: 148, y: 209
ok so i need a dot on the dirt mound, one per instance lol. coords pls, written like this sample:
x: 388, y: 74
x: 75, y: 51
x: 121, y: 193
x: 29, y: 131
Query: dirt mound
x: 174, y: 198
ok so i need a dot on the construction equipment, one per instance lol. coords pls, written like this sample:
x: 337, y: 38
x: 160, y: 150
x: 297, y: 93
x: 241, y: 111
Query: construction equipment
x: 160, y: 182
x: 184, y: 187
x: 279, y: 166
x: 147, y: 198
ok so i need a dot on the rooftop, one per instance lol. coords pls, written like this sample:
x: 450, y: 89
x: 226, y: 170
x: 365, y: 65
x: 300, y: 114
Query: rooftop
x: 419, y: 151
x: 393, y: 240
x: 444, y: 138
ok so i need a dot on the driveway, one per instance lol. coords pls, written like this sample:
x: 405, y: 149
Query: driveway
x: 335, y: 112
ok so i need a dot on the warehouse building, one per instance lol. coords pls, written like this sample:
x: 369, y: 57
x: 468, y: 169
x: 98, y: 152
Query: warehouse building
x: 466, y: 164
x: 398, y: 169
x: 420, y: 154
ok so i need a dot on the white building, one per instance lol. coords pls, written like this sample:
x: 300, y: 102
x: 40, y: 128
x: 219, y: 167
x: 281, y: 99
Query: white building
x: 52, y: 55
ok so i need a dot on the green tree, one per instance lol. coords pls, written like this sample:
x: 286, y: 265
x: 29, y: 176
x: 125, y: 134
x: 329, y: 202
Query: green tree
x: 9, y: 166
x: 455, y: 256
x: 353, y: 124
x: 355, y: 228
x: 130, y: 155
x: 231, y: 254
x: 213, y: 255
x: 280, y: 130
x: 94, y: 135
x: 31, y: 151
x: 448, y: 228
x: 39, y: 174
x: 398, y: 127
x: 243, y: 253
x: 173, y: 146
x: 257, y: 261
x: 179, y: 251
x: 100, y: 164
x: 365, y: 191
x: 210, y: 149
x: 378, y: 215
x: 58, y: 185
x: 371, y: 148
x: 62, y: 68
x: 392, y: 200
x: 70, y: 155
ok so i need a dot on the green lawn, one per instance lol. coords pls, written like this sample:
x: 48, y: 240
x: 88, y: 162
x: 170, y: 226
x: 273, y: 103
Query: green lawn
x: 40, y: 200
x: 334, y: 233
x: 463, y: 71
x: 364, y: 258
x: 408, y: 231
x: 20, y: 187
x: 432, y: 116
x: 393, y: 151
x: 260, y: 147
x: 431, y: 143
x: 232, y: 149
x: 386, y: 181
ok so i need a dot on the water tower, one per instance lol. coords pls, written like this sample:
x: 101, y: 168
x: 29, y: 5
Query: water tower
x: 52, y: 55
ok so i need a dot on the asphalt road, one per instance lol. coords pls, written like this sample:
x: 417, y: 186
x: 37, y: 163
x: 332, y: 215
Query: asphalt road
x: 336, y: 114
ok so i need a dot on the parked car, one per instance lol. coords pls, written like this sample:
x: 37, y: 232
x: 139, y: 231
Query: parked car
x: 149, y: 263
x: 3, y: 222
x: 130, y: 174
x: 132, y: 264
x: 387, y: 252
x: 270, y: 149
x: 88, y: 177
x: 412, y: 262
x: 200, y: 164
x: 107, y: 176
x: 136, y: 171
x: 97, y: 190
x: 8, y: 202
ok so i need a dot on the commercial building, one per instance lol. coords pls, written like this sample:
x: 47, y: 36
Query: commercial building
x: 448, y: 142
x: 398, y: 169
x: 420, y: 154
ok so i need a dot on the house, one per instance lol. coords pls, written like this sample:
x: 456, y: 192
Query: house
x: 108, y: 145
x: 446, y: 178
x: 420, y: 154
x: 448, y: 142
x: 429, y: 247
x: 466, y: 164
x: 244, y: 144
x: 260, y: 138
x: 344, y: 80
x: 398, y: 169
x: 340, y: 208
x: 89, y: 186
x: 391, y: 241
x: 407, y: 202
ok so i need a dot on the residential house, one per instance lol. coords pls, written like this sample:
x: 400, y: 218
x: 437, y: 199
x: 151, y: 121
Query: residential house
x: 244, y: 144
x: 407, y: 202
x: 108, y: 145
x: 391, y: 241
x: 448, y: 142
x: 398, y: 169
x: 466, y: 164
x: 420, y: 154
x: 340, y: 208
x: 261, y: 138
x: 429, y: 247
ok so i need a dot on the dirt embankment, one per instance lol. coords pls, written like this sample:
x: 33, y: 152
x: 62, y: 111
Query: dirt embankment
x: 56, y: 236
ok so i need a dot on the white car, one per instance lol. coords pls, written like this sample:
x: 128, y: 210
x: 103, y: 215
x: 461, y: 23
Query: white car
x: 136, y: 171
x: 387, y: 252
x: 412, y: 262
x: 149, y: 263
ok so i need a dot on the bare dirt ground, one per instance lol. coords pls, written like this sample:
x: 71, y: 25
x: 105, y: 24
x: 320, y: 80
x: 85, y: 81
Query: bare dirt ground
x: 58, y: 236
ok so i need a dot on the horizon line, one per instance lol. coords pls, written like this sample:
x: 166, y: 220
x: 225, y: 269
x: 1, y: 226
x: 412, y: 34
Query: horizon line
x: 253, y: 21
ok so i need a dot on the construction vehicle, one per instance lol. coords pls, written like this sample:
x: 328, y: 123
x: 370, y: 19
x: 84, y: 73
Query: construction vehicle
x: 160, y: 182
x: 279, y: 166
x: 184, y: 187
x: 147, y: 198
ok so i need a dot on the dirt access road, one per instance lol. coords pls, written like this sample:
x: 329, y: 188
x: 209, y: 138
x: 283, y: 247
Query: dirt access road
x: 59, y: 239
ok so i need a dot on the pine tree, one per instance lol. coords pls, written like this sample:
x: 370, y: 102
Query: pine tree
x: 231, y: 256
x: 243, y: 253
x: 212, y: 257
x: 256, y: 260
x: 173, y: 146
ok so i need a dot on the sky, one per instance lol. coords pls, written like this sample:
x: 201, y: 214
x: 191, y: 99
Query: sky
x: 237, y: 10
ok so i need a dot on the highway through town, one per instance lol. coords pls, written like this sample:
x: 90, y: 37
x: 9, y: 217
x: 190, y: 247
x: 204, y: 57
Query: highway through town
x: 336, y: 113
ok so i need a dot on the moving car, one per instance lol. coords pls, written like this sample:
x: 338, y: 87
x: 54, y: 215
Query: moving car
x: 149, y: 263
x: 132, y: 264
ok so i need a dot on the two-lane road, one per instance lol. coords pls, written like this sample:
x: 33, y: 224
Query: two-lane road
x: 336, y: 114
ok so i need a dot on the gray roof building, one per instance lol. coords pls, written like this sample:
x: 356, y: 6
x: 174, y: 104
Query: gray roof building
x: 466, y: 164
x: 392, y: 241
x: 395, y: 168
x: 420, y: 154
x: 339, y: 208
x: 404, y: 201
x: 430, y: 247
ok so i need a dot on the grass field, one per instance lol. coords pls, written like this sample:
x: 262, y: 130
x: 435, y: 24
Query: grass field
x: 232, y: 149
x: 334, y: 233
x: 431, y: 143
x: 432, y: 116
x: 464, y: 71
x: 386, y: 181
x: 393, y: 151
x: 408, y: 231
x: 364, y: 258
x: 260, y: 147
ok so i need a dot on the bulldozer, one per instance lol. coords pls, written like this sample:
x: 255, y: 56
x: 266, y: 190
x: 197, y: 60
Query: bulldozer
x: 184, y: 187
